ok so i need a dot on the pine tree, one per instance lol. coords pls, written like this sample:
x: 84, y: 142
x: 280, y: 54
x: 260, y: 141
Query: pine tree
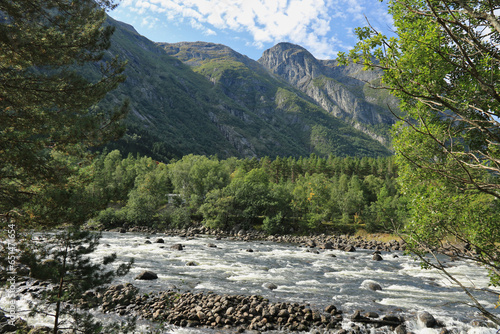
x: 53, y: 72
x: 62, y: 259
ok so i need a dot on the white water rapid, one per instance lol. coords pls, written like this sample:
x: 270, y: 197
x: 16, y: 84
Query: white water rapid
x: 305, y: 276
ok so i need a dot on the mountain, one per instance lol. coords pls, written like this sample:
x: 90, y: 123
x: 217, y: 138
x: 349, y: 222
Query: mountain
x: 344, y: 91
x: 205, y: 98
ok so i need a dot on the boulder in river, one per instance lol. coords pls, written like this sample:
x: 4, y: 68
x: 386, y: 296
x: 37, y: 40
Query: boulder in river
x: 147, y: 275
x: 371, y: 285
x: 270, y: 286
x: 350, y: 248
x: 177, y: 247
x: 427, y: 319
x: 372, y: 315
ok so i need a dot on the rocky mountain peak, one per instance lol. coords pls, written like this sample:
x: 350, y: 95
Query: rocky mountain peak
x: 193, y: 53
x: 343, y: 91
x: 292, y: 62
x: 205, y: 98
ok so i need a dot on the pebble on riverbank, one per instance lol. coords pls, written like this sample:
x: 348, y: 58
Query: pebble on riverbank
x: 230, y: 311
x: 236, y: 312
x: 339, y: 242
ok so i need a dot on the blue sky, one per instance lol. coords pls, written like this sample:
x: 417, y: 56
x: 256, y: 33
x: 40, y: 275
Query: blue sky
x: 324, y: 27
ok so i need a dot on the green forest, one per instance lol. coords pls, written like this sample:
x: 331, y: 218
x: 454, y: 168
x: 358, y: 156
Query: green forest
x: 441, y: 187
x: 281, y: 195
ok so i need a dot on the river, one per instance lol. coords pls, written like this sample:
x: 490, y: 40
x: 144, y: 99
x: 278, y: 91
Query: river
x: 301, y: 275
x: 306, y: 276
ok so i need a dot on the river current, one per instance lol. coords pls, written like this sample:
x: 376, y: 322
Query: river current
x: 306, y: 276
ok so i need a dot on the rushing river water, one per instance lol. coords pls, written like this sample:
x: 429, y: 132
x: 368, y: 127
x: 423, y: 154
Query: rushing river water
x: 304, y: 276
x: 301, y: 275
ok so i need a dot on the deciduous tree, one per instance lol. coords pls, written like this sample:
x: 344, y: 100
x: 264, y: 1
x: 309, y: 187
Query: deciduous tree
x: 444, y: 66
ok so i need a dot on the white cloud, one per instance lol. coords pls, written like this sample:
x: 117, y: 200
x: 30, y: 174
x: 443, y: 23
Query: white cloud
x: 209, y: 32
x: 126, y: 3
x: 310, y: 23
x: 149, y: 21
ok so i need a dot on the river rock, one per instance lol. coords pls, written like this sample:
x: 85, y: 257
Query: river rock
x: 392, y: 318
x: 356, y: 316
x: 270, y: 286
x: 349, y: 248
x: 147, y: 275
x: 310, y: 243
x: 160, y: 241
x: 377, y: 257
x: 372, y: 315
x: 178, y: 247
x: 427, y: 319
x: 327, y: 245
x: 371, y: 285
x: 401, y: 329
x: 331, y: 309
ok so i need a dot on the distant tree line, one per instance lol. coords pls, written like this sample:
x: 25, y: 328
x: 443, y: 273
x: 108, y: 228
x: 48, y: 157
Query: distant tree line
x: 281, y: 195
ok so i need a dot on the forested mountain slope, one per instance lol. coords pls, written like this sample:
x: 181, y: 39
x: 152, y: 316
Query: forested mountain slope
x: 203, y: 98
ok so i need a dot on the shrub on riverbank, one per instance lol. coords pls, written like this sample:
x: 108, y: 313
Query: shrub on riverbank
x: 285, y: 195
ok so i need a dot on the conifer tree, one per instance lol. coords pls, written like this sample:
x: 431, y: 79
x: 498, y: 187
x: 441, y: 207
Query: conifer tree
x: 63, y: 260
x: 53, y: 72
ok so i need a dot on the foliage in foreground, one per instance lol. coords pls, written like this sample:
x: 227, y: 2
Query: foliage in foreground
x: 444, y: 66
x: 62, y: 258
x: 47, y: 101
x: 54, y: 70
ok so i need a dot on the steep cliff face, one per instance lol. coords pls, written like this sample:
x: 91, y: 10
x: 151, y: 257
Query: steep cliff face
x: 341, y: 90
x: 205, y: 98
x: 292, y: 62
x: 265, y: 96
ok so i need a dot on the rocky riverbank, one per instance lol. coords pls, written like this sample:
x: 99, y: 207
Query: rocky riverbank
x: 230, y: 313
x: 238, y: 313
x: 321, y: 241
x: 344, y: 242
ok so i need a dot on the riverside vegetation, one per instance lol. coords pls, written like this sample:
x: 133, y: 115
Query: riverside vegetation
x: 55, y: 106
x: 280, y: 196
